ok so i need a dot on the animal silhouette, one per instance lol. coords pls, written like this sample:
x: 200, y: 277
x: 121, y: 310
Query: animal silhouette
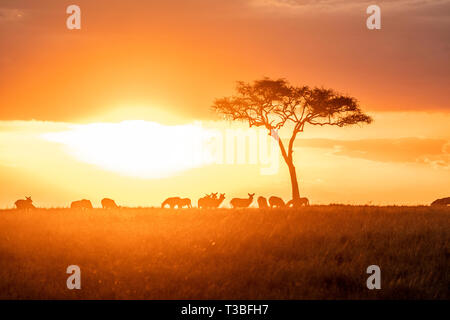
x: 177, y: 202
x: 210, y: 201
x: 25, y: 204
x: 172, y: 202
x: 276, y: 202
x: 184, y: 202
x: 262, y: 203
x: 242, y: 203
x: 301, y: 202
x: 217, y: 202
x: 203, y: 202
x: 441, y: 202
x: 81, y: 204
x: 109, y: 204
x: 304, y: 201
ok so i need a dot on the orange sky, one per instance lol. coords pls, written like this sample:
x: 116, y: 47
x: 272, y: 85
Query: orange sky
x: 165, y: 62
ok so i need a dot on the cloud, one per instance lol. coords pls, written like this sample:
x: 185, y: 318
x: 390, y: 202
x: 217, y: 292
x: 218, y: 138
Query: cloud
x: 199, y: 51
x: 344, y: 4
x: 435, y: 152
x: 417, y: 10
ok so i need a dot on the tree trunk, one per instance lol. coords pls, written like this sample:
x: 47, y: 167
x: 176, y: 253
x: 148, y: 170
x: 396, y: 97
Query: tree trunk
x: 290, y: 163
x: 294, y: 183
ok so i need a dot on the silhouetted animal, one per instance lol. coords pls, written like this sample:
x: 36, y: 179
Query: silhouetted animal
x: 301, y: 202
x: 276, y: 202
x: 217, y: 202
x: 441, y: 202
x: 210, y: 200
x: 304, y: 201
x: 172, y: 202
x: 203, y: 202
x: 81, y: 204
x: 242, y: 203
x: 25, y: 204
x: 262, y: 203
x: 177, y: 202
x: 109, y: 204
x: 184, y: 202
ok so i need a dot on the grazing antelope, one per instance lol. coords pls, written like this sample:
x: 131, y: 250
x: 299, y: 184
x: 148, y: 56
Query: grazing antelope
x: 172, y: 202
x: 184, y: 202
x: 242, y: 203
x: 203, y: 202
x: 109, y: 204
x: 441, y: 202
x: 210, y: 200
x: 276, y: 202
x: 25, y: 204
x: 81, y: 204
x: 262, y: 203
x: 304, y: 201
x: 301, y: 202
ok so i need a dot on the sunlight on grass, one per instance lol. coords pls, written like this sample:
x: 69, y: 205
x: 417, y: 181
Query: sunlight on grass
x: 320, y: 252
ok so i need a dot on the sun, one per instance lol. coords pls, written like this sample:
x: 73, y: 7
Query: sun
x: 136, y: 148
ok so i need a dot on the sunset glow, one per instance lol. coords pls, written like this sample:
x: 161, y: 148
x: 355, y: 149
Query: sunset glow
x: 136, y: 148
x: 213, y: 158
x: 123, y: 105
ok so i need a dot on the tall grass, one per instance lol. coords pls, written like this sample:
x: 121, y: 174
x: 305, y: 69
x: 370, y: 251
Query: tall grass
x: 319, y: 252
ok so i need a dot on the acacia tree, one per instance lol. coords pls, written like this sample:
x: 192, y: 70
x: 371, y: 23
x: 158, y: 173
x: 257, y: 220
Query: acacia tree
x: 275, y: 103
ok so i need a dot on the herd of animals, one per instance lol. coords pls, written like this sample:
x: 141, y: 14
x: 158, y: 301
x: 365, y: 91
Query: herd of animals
x: 209, y: 201
x: 107, y: 203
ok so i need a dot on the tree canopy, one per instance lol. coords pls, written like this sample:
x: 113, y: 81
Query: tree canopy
x: 273, y: 103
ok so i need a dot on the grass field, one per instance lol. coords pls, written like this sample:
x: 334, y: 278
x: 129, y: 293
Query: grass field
x: 319, y: 252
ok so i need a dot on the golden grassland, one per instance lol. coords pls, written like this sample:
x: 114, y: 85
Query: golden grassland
x: 318, y: 252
